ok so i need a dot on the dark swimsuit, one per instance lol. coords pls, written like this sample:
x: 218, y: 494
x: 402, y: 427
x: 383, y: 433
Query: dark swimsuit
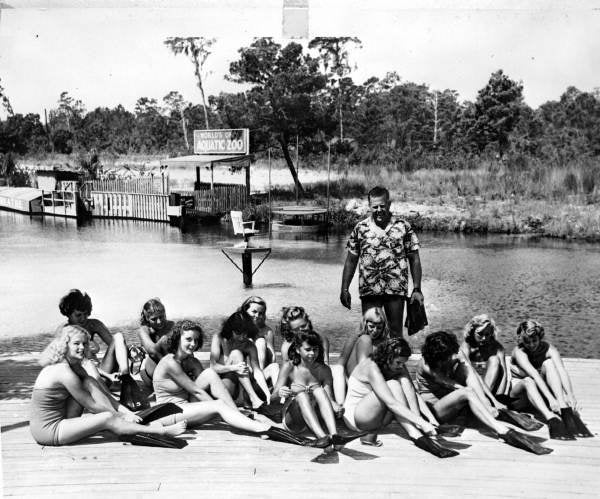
x: 538, y: 357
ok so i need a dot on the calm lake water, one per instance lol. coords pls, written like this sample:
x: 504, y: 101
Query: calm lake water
x: 123, y: 263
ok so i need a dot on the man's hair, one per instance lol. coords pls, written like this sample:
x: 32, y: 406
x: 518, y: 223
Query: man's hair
x: 377, y: 192
x: 438, y: 348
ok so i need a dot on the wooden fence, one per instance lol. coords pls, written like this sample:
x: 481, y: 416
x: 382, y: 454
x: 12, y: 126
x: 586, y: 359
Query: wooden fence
x: 155, y: 184
x: 130, y: 205
x: 226, y: 197
x: 61, y: 202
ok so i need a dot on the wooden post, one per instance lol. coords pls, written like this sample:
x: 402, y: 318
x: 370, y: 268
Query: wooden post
x: 247, y: 267
x: 197, y: 186
x: 297, y: 168
x: 328, y: 177
x: 247, y: 183
x: 212, y: 189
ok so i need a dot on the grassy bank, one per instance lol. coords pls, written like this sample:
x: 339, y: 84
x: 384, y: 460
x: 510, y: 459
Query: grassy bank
x: 496, y: 196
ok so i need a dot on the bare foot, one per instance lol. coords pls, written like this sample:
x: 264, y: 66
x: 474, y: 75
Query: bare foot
x: 176, y: 429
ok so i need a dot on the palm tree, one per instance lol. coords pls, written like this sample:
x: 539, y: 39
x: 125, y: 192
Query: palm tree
x: 197, y: 48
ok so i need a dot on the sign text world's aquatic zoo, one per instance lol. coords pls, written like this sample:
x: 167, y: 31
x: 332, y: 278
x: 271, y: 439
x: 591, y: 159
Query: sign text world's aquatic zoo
x: 227, y: 141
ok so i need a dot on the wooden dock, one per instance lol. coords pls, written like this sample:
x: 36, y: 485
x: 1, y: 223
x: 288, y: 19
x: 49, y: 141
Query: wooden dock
x: 220, y: 463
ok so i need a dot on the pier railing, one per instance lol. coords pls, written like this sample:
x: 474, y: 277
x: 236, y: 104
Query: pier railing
x: 130, y: 205
x: 154, y: 184
x: 223, y: 199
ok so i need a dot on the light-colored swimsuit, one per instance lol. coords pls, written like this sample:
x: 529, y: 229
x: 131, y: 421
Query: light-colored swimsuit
x: 357, y: 390
x: 48, y: 408
x: 166, y: 390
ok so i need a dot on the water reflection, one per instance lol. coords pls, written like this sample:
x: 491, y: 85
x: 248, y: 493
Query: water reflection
x: 123, y: 263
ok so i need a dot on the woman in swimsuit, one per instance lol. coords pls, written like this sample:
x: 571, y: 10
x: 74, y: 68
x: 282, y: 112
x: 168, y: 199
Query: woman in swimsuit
x: 256, y: 308
x: 180, y: 378
x: 305, y: 381
x: 486, y: 354
x: 234, y: 357
x: 374, y: 330
x: 63, y: 389
x: 77, y: 307
x: 294, y: 319
x: 153, y: 334
x: 448, y: 383
x: 539, y: 368
x: 380, y: 389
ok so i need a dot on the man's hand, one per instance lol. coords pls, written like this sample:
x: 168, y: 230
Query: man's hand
x: 346, y: 298
x: 418, y: 296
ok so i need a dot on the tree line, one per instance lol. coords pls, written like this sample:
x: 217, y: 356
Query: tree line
x: 291, y: 94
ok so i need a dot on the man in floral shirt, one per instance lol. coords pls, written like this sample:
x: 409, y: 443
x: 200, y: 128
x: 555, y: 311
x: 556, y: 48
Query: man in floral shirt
x: 384, y: 247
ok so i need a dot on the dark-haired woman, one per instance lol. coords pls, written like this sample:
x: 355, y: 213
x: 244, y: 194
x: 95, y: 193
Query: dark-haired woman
x: 234, y: 357
x: 447, y: 383
x: 180, y: 378
x: 293, y: 321
x: 307, y: 384
x: 377, y: 393
x: 77, y: 307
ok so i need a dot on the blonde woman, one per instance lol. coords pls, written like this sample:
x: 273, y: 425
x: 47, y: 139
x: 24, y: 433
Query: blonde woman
x: 63, y: 389
x: 374, y: 330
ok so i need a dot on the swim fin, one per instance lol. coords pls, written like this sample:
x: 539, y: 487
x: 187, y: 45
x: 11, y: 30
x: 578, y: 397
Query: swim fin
x: 521, y: 441
x: 574, y: 423
x: 450, y: 430
x: 151, y: 440
x: 320, y: 442
x: 521, y: 420
x: 428, y: 445
x: 281, y: 435
x: 341, y: 440
x: 557, y: 429
x: 158, y: 411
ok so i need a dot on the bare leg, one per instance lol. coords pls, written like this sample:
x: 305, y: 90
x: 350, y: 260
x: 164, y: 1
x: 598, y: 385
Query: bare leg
x: 272, y: 372
x: 339, y: 383
x: 408, y: 390
x: 116, y: 356
x: 394, y: 310
x: 72, y: 430
x: 235, y: 357
x: 552, y: 377
x: 493, y: 373
x: 474, y: 381
x: 261, y: 349
x: 210, y: 380
x: 396, y: 387
x: 200, y: 412
x: 453, y: 402
x: 309, y: 414
x: 527, y: 387
x: 325, y: 409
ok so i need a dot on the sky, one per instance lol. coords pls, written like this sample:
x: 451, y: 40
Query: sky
x: 110, y: 52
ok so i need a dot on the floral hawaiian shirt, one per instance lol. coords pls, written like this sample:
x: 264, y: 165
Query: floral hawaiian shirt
x: 382, y: 262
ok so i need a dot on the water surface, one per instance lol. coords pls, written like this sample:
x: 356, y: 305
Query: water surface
x: 123, y: 263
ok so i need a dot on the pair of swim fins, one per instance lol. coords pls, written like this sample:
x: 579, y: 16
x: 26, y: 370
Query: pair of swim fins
x: 427, y: 444
x: 158, y: 411
x: 525, y: 442
x: 523, y: 421
x: 151, y: 440
x: 574, y: 424
x: 281, y: 435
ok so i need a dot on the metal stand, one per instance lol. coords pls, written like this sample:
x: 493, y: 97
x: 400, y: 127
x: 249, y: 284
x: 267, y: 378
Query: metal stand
x: 246, y: 253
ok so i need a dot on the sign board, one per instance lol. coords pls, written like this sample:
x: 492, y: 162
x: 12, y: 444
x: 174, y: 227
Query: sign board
x: 225, y: 141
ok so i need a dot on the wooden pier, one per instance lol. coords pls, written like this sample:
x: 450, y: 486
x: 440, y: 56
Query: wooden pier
x: 221, y: 463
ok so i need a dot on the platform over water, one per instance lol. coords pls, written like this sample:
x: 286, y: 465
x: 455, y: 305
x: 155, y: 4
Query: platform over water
x: 220, y: 463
